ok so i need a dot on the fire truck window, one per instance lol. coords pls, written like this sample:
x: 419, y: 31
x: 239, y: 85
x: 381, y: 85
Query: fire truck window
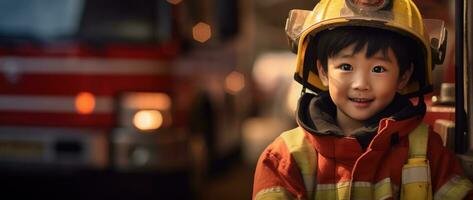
x: 39, y: 19
x: 127, y: 21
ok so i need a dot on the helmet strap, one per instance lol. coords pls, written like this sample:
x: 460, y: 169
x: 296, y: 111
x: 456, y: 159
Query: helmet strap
x: 309, y: 60
x: 303, y: 91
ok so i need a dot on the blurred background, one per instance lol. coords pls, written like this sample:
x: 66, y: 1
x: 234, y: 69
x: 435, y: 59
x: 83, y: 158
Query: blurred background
x: 148, y: 99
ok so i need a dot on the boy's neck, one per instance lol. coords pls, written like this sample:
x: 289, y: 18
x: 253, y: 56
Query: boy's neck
x: 347, y: 124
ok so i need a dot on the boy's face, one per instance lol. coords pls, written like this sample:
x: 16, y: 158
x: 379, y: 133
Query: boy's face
x: 361, y: 87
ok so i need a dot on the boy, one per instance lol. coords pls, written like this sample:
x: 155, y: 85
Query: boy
x: 360, y: 137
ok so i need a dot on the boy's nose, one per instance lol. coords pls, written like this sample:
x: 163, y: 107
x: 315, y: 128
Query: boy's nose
x: 361, y: 82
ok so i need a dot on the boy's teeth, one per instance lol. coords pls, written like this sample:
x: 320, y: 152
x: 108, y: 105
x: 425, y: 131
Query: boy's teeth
x: 360, y: 100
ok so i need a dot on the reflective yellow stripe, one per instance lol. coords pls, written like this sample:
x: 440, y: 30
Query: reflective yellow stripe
x: 418, y: 141
x: 456, y: 188
x: 273, y: 193
x: 333, y: 191
x: 360, y: 190
x: 305, y: 156
x: 416, y: 191
x: 383, y: 189
x: 416, y: 172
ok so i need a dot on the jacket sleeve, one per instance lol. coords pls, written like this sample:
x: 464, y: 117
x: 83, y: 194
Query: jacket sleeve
x: 448, y: 179
x: 277, y: 175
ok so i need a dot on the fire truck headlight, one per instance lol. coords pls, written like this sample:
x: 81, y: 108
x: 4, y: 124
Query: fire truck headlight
x: 147, y: 120
x: 145, y: 111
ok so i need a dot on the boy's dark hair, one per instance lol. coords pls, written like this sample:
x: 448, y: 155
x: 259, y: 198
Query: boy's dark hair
x: 330, y: 42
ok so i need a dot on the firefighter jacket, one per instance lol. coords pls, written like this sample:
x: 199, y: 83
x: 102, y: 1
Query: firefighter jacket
x: 374, y: 162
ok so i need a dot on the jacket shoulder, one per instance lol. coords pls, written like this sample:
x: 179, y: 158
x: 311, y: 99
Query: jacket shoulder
x: 277, y: 152
x: 277, y: 169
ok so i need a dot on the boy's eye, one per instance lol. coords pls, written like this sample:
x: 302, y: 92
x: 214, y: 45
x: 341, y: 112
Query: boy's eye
x: 378, y: 69
x: 346, y: 67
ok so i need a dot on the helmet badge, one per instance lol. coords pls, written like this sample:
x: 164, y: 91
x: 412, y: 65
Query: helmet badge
x: 366, y: 5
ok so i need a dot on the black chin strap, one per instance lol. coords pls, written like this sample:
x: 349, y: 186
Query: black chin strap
x: 421, y: 104
x: 309, y: 61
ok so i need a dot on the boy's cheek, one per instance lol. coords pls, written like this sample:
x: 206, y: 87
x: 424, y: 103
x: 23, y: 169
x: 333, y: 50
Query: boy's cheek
x: 337, y: 82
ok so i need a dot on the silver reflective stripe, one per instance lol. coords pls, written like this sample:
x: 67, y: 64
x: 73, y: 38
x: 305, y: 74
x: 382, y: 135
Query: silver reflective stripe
x: 364, y: 190
x: 18, y: 65
x: 51, y: 104
x: 332, y: 186
x: 362, y: 184
x: 415, y: 175
x: 382, y: 182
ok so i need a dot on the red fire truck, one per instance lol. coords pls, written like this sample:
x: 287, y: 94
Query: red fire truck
x: 106, y: 87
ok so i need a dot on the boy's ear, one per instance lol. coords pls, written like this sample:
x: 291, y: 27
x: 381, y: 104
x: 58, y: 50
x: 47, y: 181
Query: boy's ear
x: 322, y: 74
x: 404, y: 79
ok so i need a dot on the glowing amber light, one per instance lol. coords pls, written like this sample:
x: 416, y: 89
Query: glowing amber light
x: 85, y: 103
x: 140, y: 100
x: 174, y: 2
x: 201, y: 32
x: 146, y: 120
x: 234, y: 82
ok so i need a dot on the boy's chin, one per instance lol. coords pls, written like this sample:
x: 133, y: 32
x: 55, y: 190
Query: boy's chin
x: 361, y: 117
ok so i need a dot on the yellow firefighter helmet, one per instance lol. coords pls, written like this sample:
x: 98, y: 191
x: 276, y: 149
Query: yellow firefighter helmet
x: 400, y: 16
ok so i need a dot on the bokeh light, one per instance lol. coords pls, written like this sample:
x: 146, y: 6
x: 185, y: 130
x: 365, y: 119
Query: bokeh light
x: 146, y: 120
x: 201, y: 32
x: 85, y: 103
x: 234, y: 82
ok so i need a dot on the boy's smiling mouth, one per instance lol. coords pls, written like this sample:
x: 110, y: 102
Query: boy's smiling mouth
x: 361, y: 102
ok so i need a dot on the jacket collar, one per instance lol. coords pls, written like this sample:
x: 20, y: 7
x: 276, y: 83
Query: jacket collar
x: 316, y: 114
